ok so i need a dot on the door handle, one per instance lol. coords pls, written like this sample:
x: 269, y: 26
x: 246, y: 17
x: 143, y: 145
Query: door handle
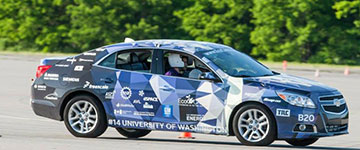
x: 166, y: 88
x: 106, y: 80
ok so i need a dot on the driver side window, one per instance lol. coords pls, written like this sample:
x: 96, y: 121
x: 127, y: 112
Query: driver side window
x: 187, y: 66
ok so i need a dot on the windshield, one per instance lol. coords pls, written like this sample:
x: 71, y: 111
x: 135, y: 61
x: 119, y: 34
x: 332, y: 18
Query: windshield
x: 236, y: 64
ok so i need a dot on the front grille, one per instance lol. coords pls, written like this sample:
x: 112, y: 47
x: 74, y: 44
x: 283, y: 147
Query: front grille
x: 335, y: 109
x: 330, y: 98
x: 336, y: 128
x: 333, y: 103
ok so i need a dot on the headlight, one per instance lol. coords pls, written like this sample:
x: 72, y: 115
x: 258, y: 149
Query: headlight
x: 297, y: 100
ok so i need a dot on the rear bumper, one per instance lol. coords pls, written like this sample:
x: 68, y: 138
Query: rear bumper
x: 45, y: 108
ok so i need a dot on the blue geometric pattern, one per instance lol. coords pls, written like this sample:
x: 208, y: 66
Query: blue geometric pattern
x: 144, y: 97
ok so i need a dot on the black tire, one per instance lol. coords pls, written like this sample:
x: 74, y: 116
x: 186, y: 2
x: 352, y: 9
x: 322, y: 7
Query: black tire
x: 269, y: 137
x: 99, y: 127
x: 301, y: 142
x: 133, y: 133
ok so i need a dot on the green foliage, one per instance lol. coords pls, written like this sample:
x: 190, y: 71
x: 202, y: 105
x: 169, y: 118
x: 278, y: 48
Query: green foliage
x: 34, y: 23
x: 225, y: 21
x: 296, y: 30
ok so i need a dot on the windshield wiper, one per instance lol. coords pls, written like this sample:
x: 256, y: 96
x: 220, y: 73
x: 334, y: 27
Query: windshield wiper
x: 275, y: 73
x: 244, y: 76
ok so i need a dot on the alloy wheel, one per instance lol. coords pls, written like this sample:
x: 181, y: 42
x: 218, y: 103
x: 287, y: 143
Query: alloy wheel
x: 82, y: 116
x: 253, y: 125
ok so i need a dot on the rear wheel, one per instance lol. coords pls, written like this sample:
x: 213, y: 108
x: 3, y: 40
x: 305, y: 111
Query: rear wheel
x: 301, y: 142
x: 133, y: 133
x: 84, y: 116
x: 254, y: 125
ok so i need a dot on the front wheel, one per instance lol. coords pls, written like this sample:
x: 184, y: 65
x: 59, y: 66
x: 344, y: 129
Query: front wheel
x: 301, y: 142
x: 254, y: 125
x: 84, y: 116
x: 133, y: 133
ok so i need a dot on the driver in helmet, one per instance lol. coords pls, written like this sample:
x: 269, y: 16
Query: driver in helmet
x: 176, y: 63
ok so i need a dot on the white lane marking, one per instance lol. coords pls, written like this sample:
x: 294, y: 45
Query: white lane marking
x: 21, y: 118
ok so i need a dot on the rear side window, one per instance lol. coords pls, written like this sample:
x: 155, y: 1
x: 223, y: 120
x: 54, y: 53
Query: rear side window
x: 133, y: 60
x: 109, y: 61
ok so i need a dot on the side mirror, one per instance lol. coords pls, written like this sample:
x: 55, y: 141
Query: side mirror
x: 209, y: 76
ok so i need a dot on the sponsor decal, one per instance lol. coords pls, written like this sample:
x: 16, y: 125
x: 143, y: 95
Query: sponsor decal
x: 188, y: 101
x: 306, y: 117
x: 110, y: 95
x: 89, y: 54
x: 121, y: 112
x: 40, y: 87
x: 283, y: 112
x: 141, y: 93
x: 61, y: 65
x: 188, y: 105
x: 144, y: 113
x: 72, y: 60
x: 194, y: 117
x: 85, y: 60
x: 167, y: 111
x: 165, y: 126
x: 51, y: 96
x: 98, y: 87
x: 255, y: 96
x: 78, y: 68
x: 125, y: 93
x: 148, y: 106
x: 51, y: 76
x: 124, y: 105
x: 136, y: 101
x: 272, y: 100
x: 150, y: 99
x: 70, y: 79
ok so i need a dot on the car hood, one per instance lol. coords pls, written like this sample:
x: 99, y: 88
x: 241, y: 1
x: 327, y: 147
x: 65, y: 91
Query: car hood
x: 293, y: 82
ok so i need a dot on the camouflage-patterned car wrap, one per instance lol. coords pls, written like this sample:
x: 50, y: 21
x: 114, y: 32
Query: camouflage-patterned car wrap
x: 158, y: 102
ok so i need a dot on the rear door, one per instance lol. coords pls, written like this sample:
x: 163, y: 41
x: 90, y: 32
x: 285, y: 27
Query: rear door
x: 132, y: 97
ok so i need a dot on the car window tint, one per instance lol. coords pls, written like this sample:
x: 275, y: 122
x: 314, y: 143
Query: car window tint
x: 134, y: 60
x: 109, y: 61
x: 193, y: 67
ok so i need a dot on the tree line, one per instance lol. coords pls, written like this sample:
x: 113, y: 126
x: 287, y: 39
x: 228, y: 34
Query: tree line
x: 318, y: 31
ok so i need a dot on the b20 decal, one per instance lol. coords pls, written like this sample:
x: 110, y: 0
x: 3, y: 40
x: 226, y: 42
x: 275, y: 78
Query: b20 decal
x: 306, y: 117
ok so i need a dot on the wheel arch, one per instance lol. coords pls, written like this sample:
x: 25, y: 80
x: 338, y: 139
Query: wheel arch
x: 71, y: 95
x: 230, y: 128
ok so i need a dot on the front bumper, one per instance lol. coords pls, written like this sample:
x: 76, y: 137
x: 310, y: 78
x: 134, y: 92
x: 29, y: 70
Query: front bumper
x: 329, y: 120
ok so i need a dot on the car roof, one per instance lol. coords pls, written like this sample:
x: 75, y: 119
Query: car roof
x: 181, y: 45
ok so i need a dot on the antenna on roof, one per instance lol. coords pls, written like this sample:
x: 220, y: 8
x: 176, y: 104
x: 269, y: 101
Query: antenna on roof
x: 129, y: 40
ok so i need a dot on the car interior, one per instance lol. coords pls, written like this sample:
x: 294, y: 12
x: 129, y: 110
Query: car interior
x: 193, y: 67
x: 136, y: 61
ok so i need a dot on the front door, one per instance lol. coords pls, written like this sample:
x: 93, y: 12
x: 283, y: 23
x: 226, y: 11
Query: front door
x: 192, y: 104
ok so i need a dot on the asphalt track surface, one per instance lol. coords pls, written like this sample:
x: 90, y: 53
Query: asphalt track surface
x: 20, y: 128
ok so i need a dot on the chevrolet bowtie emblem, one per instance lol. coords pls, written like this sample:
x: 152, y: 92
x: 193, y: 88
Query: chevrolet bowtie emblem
x: 337, y: 102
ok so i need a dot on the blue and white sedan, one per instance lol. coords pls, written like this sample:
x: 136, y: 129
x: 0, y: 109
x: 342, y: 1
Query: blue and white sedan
x: 185, y: 86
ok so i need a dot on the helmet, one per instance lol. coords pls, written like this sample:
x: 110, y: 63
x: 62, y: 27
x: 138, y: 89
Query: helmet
x: 175, y: 60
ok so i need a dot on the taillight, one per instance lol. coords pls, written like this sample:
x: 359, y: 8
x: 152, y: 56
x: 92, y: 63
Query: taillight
x: 41, y: 70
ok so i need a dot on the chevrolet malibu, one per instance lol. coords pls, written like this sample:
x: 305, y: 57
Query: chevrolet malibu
x: 184, y: 86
